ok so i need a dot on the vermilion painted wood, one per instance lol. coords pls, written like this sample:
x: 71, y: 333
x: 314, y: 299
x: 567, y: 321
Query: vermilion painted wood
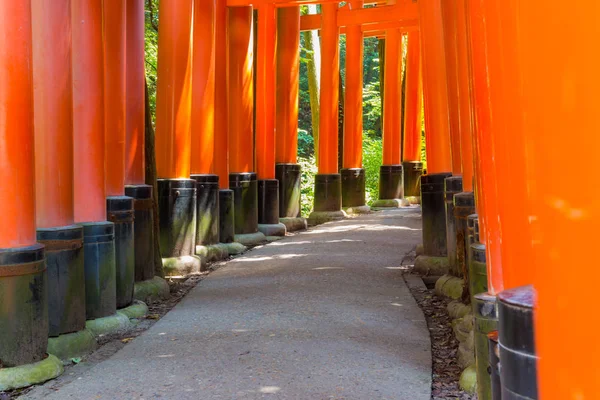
x: 288, y: 69
x: 465, y: 122
x: 174, y: 90
x: 115, y: 88
x: 265, y: 92
x: 393, y: 98
x: 353, y: 110
x: 135, y: 106
x: 413, y: 112
x: 241, y: 96
x: 328, y: 122
x: 449, y: 11
x: 435, y: 91
x: 88, y: 111
x: 203, y: 88
x: 486, y: 190
x: 17, y: 188
x: 53, y: 105
x: 221, y: 152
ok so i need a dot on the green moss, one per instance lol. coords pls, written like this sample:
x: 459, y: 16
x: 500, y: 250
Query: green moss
x: 251, y: 239
x: 235, y: 248
x: 293, y: 224
x: 468, y: 380
x: 431, y: 266
x: 135, y: 311
x: 320, y: 217
x: 153, y: 289
x: 181, y: 265
x: 72, y: 345
x: 450, y: 286
x: 109, y: 325
x: 30, y: 374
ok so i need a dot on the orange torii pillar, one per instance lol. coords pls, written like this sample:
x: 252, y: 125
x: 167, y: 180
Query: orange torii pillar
x: 118, y: 206
x: 176, y: 191
x: 353, y: 173
x: 454, y: 184
x: 412, y: 166
x: 135, y: 174
x: 391, y: 184
x: 523, y: 155
x: 88, y: 159
x: 328, y: 182
x: 55, y: 220
x: 203, y: 125
x: 23, y: 277
x: 268, y: 186
x: 221, y: 138
x: 566, y: 220
x: 242, y: 179
x: 437, y: 130
x: 287, y: 169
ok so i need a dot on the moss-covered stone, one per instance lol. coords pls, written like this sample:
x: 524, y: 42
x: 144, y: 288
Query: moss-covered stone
x: 211, y: 253
x: 320, y: 217
x: 468, y: 380
x: 30, y: 374
x: 250, y: 239
x: 419, y: 251
x: 413, y: 199
x: 294, y: 224
x: 151, y: 290
x: 272, y: 229
x: 457, y: 309
x: 114, y: 324
x: 358, y: 210
x: 449, y: 286
x: 135, y: 311
x: 431, y: 266
x: 387, y: 203
x: 234, y: 248
x: 177, y: 266
x: 72, y: 345
x: 274, y: 238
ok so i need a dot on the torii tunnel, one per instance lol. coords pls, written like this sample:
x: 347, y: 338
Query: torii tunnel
x: 503, y: 85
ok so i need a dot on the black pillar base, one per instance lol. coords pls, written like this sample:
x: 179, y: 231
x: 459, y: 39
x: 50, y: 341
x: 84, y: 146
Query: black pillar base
x: 177, y: 217
x: 100, y: 266
x: 485, y: 311
x: 464, y: 205
x: 143, y: 231
x: 517, y: 343
x: 120, y: 212
x: 226, y: 216
x: 452, y: 186
x: 24, y: 311
x: 66, y: 278
x: 289, y: 177
x: 207, y: 209
x: 353, y: 187
x: 391, y: 184
x: 268, y: 201
x: 413, y: 170
x: 245, y: 200
x: 434, y: 214
x: 328, y: 192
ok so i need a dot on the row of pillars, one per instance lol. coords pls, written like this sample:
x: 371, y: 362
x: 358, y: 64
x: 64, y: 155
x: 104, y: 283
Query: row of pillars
x: 72, y: 140
x: 499, y: 80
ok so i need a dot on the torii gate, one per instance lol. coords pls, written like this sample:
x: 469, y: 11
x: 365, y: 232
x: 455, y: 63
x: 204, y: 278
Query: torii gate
x: 72, y: 148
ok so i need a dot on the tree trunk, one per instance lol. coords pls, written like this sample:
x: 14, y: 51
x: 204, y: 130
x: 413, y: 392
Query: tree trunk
x: 151, y: 176
x: 381, y: 49
x: 313, y: 47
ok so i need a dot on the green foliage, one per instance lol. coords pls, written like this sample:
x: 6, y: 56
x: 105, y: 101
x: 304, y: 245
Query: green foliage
x: 306, y: 144
x: 307, y: 185
x: 372, y: 158
x: 152, y: 51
